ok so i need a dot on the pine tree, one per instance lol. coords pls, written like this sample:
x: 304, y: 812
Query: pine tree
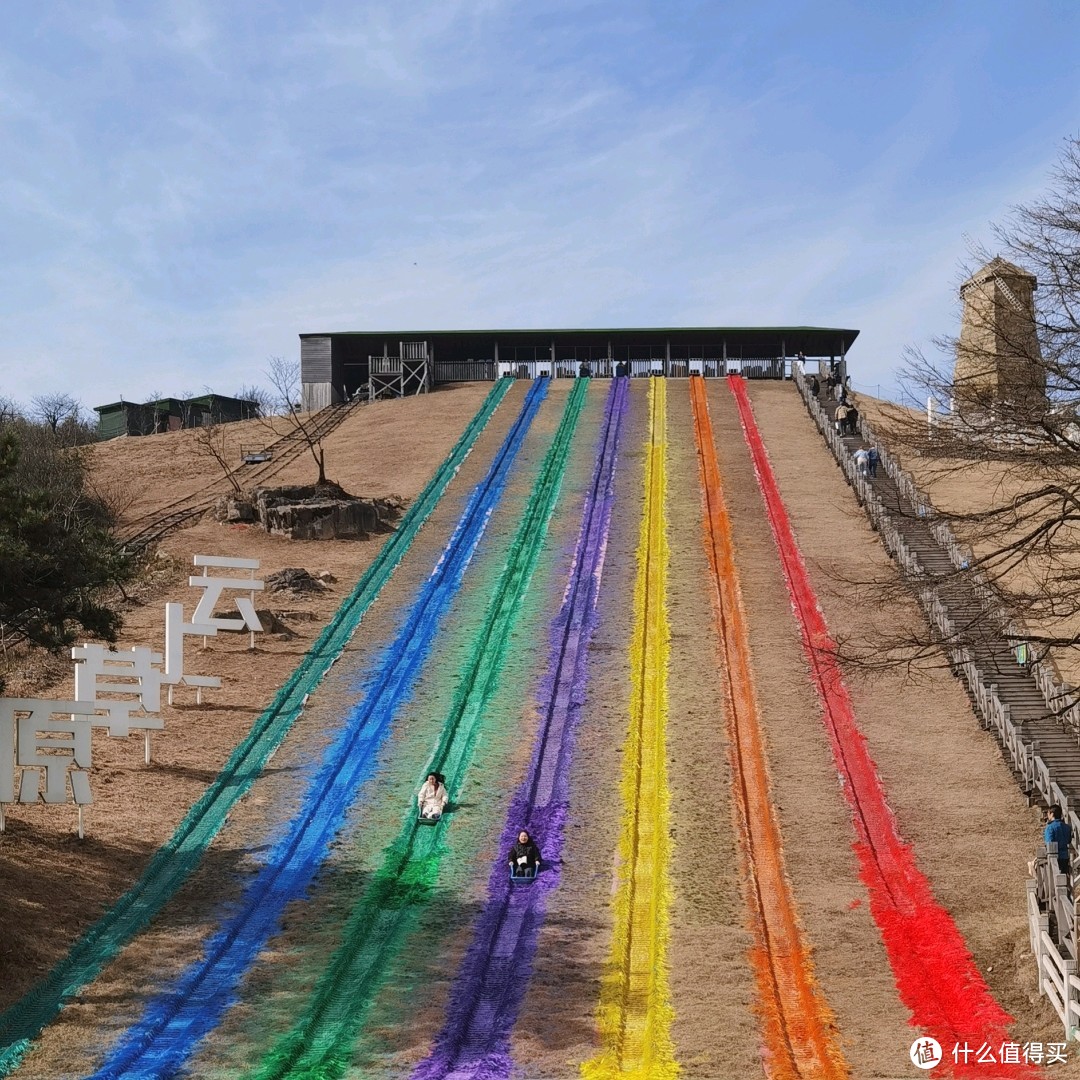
x: 56, y: 552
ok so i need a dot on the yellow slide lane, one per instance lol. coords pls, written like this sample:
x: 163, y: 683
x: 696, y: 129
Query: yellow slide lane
x: 635, y: 1013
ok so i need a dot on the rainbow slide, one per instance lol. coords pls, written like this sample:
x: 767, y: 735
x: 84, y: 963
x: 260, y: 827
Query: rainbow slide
x: 320, y: 1043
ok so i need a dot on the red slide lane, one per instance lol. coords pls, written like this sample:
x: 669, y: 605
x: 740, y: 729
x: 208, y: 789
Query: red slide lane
x: 935, y: 974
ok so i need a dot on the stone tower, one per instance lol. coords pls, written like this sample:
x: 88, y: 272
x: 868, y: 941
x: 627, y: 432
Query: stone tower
x: 998, y: 357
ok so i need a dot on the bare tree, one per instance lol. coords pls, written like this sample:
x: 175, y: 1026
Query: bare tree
x: 262, y: 398
x: 115, y: 494
x: 9, y: 410
x: 65, y: 417
x: 1012, y: 382
x: 53, y: 409
x: 189, y: 413
x: 212, y: 439
x: 284, y: 377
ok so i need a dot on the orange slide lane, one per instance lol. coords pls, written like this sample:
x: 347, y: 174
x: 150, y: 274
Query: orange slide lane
x: 799, y: 1030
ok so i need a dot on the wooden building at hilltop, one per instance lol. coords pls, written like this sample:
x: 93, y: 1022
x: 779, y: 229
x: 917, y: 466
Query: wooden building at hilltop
x: 336, y: 366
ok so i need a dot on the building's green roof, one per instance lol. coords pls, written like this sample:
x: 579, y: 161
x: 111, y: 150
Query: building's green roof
x: 212, y: 399
x: 169, y: 403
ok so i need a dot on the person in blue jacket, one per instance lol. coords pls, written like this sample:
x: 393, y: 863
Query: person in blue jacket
x: 1058, y: 832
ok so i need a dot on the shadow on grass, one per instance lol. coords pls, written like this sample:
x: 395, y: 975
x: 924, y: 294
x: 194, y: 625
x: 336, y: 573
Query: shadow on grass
x: 403, y: 1009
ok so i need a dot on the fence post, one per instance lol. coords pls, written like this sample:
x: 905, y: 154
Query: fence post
x: 1044, y: 928
x: 1033, y: 910
x: 988, y: 718
x: 1069, y: 969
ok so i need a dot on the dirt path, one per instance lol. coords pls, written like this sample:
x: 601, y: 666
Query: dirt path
x: 715, y: 1030
x: 556, y: 1027
x: 798, y: 1027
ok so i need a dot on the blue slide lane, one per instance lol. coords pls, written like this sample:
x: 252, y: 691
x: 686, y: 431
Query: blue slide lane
x: 178, y: 1018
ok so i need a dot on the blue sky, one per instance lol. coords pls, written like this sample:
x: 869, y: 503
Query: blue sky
x: 187, y: 186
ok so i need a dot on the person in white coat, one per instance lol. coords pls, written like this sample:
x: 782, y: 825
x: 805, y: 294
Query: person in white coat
x: 432, y: 797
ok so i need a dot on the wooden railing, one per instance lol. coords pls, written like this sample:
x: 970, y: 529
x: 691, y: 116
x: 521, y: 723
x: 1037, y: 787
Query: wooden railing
x: 1061, y: 698
x: 384, y: 365
x: 881, y: 519
x: 1052, y: 920
x: 447, y: 371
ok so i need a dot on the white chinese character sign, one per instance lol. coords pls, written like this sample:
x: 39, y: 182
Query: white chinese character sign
x: 215, y: 586
x: 204, y: 623
x: 175, y: 632
x: 46, y: 738
x: 118, y: 689
x: 133, y: 686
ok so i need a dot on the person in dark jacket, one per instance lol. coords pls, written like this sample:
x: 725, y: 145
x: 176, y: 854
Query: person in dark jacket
x: 1058, y: 832
x: 524, y: 856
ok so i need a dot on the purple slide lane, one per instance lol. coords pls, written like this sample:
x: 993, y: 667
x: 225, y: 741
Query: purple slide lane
x: 488, y: 989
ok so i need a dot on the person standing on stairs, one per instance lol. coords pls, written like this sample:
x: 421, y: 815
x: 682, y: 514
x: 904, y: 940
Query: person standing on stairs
x: 874, y: 459
x: 1058, y: 832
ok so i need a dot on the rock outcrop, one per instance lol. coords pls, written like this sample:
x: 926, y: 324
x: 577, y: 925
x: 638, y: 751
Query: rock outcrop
x: 312, y: 513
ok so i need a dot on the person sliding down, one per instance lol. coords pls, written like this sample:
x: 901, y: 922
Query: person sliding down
x: 432, y: 797
x: 524, y: 857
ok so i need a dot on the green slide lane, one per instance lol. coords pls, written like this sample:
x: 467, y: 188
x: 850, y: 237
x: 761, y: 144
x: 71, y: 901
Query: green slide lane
x: 180, y: 855
x: 320, y: 1045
